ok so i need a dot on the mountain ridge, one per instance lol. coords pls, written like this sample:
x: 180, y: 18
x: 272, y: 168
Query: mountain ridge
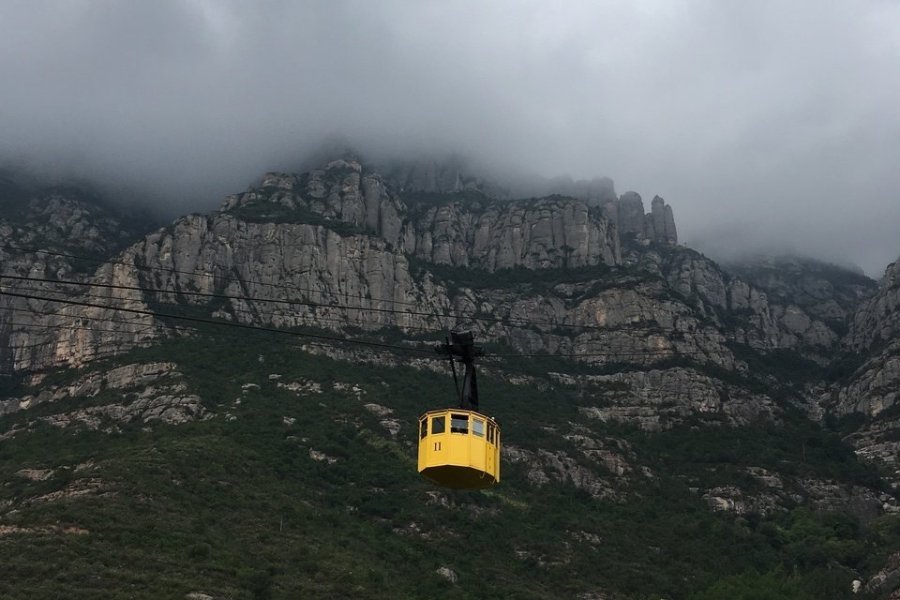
x: 656, y: 357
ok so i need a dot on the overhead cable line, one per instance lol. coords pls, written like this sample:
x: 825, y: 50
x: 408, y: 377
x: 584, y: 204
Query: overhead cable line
x: 329, y: 338
x: 211, y: 295
x: 620, y: 354
x: 132, y: 345
x: 207, y: 274
x: 623, y: 355
x: 640, y: 354
x: 210, y: 274
x: 24, y: 325
x: 234, y: 309
x: 509, y: 321
x: 146, y: 326
x: 155, y: 325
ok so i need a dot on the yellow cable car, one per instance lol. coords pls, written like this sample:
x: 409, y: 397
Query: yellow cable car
x: 459, y: 448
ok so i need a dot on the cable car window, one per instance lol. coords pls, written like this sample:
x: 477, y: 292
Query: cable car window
x: 478, y: 427
x: 459, y: 423
x: 437, y: 425
x: 491, y: 432
x: 423, y: 428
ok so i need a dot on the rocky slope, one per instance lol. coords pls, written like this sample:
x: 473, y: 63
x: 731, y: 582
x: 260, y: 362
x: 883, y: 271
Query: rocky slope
x: 348, y: 250
x: 70, y: 217
x: 659, y: 363
x: 877, y: 321
x: 868, y: 397
x: 470, y: 230
x: 340, y: 248
x: 828, y: 293
x: 52, y: 232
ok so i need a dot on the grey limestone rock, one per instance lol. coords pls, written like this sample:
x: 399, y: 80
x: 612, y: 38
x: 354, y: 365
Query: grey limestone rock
x: 872, y: 390
x: 628, y: 214
x: 630, y: 210
x: 661, y: 222
x: 887, y: 579
x: 448, y: 574
x: 661, y: 399
x: 544, y: 467
x: 146, y: 392
x: 826, y: 293
x: 546, y: 233
x: 348, y: 249
x: 878, y: 319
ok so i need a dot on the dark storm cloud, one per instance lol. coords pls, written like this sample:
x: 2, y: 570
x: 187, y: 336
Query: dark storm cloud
x: 765, y: 124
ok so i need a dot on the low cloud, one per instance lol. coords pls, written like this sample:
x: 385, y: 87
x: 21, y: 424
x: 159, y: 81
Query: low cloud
x: 775, y: 121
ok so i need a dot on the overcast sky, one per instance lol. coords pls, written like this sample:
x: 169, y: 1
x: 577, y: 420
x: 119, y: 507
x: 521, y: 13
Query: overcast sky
x: 766, y: 125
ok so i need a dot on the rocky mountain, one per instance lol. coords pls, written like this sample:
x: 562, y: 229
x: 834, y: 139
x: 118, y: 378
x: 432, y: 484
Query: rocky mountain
x: 51, y: 232
x: 829, y: 293
x: 867, y: 397
x: 338, y: 247
x: 759, y: 397
x: 69, y: 217
x: 454, y: 173
x: 864, y: 379
x: 432, y: 176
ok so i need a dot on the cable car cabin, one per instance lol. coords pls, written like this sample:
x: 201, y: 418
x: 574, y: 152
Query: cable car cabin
x: 459, y: 449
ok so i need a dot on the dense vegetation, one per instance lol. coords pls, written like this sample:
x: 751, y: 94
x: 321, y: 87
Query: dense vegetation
x: 237, y: 507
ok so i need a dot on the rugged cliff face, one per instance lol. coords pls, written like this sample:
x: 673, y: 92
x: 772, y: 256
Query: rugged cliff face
x: 878, y: 319
x: 53, y: 232
x: 338, y: 247
x: 64, y: 217
x: 867, y: 398
x: 467, y: 229
x: 648, y: 368
x: 825, y: 292
x: 628, y: 215
x: 339, y: 241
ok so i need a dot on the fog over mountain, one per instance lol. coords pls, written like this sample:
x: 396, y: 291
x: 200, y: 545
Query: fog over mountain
x: 767, y: 125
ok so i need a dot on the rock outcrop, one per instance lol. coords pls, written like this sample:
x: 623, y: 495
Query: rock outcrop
x: 825, y: 292
x: 872, y: 390
x: 539, y: 234
x: 660, y: 399
x: 627, y: 212
x: 142, y: 392
x: 471, y: 231
x: 60, y: 218
x: 643, y: 339
x: 50, y: 233
x: 878, y: 320
x: 337, y: 247
x: 660, y: 225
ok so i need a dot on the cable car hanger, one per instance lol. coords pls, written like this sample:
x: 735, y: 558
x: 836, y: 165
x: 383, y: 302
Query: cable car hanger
x: 459, y: 448
x: 463, y: 346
